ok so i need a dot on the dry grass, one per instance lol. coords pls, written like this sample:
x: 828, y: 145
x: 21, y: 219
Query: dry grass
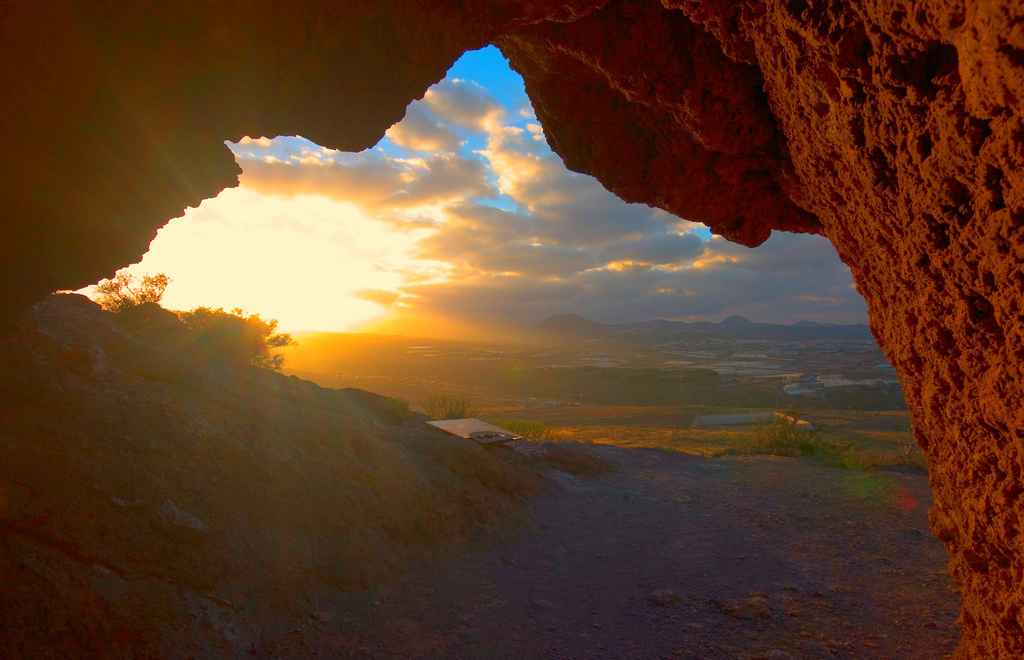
x: 699, y: 442
x: 846, y: 439
x: 450, y: 406
x: 528, y: 428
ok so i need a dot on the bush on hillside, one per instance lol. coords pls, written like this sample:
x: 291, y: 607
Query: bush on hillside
x: 395, y: 410
x: 237, y: 339
x: 781, y: 435
x: 450, y: 406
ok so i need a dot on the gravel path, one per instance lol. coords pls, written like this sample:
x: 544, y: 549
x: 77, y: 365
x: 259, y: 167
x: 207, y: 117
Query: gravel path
x: 675, y: 556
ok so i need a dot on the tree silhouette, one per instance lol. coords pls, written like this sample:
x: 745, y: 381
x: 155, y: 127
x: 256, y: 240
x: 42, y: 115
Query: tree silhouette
x: 121, y: 293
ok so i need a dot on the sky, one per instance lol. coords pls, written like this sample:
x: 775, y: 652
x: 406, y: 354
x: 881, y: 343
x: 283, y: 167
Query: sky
x: 462, y: 219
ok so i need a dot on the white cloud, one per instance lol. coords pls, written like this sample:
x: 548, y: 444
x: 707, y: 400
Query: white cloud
x: 420, y: 130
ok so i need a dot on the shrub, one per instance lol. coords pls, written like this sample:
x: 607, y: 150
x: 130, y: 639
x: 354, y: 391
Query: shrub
x: 779, y: 432
x: 120, y: 293
x: 395, y: 410
x: 781, y: 435
x: 528, y: 428
x: 237, y: 339
x: 450, y: 406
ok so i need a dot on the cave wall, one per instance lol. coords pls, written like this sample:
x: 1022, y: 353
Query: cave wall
x: 893, y: 127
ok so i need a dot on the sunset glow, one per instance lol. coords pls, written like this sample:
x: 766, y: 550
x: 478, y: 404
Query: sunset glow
x: 463, y: 219
x: 304, y: 259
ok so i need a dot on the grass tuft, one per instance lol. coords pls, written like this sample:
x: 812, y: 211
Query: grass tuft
x: 450, y: 406
x: 528, y: 428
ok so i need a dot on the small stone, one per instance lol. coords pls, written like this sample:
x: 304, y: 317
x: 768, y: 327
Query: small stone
x: 662, y: 597
x: 815, y: 649
x: 776, y: 654
x: 755, y: 607
x: 177, y: 524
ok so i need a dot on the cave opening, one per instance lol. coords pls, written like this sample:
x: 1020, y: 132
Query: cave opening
x: 461, y: 221
x: 753, y: 118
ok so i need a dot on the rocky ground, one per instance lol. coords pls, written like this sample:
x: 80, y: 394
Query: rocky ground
x: 675, y: 556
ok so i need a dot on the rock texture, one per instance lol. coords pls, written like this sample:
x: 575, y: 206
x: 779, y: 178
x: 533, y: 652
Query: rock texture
x: 896, y: 127
x: 893, y: 127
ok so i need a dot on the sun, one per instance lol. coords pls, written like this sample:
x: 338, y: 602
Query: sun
x: 306, y: 260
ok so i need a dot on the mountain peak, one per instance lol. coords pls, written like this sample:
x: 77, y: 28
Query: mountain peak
x: 562, y: 318
x: 736, y: 320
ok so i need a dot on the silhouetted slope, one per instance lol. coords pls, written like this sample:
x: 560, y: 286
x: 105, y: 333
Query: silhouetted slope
x: 155, y: 505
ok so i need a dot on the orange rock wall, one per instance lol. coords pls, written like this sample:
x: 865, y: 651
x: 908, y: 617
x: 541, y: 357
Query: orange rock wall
x: 893, y: 127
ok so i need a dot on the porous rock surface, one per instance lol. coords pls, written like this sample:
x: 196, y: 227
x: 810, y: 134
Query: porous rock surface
x: 893, y: 127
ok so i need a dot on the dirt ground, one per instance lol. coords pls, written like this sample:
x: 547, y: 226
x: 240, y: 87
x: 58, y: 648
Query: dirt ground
x: 674, y: 556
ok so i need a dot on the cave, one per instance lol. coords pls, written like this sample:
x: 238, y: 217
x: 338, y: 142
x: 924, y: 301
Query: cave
x: 891, y: 128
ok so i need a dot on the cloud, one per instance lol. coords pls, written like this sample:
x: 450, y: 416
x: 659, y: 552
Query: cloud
x: 374, y: 184
x: 379, y: 296
x: 261, y: 141
x: 519, y: 237
x: 657, y: 248
x: 812, y: 284
x: 464, y: 104
x: 421, y: 131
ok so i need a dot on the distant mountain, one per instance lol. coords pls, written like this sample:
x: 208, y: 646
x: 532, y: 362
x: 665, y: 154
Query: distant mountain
x: 736, y: 321
x: 575, y: 326
x: 738, y: 327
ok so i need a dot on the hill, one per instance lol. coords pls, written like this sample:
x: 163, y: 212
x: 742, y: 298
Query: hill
x: 574, y: 325
x: 734, y: 327
x: 154, y: 503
